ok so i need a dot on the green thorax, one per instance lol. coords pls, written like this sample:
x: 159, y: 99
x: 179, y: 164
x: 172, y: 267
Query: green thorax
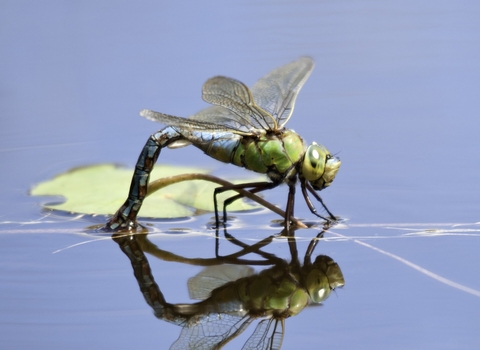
x: 277, y: 153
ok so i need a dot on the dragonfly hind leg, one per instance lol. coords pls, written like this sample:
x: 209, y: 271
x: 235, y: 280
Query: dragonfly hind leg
x: 257, y: 187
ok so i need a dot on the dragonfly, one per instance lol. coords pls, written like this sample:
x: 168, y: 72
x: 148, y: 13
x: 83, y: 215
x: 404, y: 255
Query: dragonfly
x: 232, y: 296
x: 244, y: 127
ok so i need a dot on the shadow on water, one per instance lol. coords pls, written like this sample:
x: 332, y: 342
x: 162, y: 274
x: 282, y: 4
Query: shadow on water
x: 232, y: 296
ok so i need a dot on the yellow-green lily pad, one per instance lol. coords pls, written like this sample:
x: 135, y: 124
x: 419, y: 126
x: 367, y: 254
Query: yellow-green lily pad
x: 102, y: 189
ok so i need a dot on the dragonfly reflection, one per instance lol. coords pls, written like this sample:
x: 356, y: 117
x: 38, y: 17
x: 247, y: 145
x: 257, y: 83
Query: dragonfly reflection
x: 232, y: 295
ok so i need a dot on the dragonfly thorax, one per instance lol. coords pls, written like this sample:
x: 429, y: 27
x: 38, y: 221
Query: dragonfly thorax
x: 273, y: 154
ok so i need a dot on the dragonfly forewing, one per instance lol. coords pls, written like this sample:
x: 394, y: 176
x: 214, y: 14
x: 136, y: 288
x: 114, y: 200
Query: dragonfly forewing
x: 186, y: 124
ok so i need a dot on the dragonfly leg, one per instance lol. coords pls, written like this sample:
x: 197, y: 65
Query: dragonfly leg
x: 257, y: 187
x: 262, y: 187
x: 305, y: 186
x: 252, y: 249
x: 126, y: 216
x: 314, y: 242
x: 289, y: 210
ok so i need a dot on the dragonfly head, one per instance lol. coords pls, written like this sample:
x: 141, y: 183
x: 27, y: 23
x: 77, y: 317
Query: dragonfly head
x: 319, y: 166
x: 324, y: 276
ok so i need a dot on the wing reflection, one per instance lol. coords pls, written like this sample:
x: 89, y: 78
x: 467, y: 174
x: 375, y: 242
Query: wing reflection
x: 232, y: 295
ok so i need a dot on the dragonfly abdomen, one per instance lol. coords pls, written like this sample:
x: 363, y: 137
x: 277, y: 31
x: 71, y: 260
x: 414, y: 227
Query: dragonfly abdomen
x: 126, y: 216
x: 218, y: 145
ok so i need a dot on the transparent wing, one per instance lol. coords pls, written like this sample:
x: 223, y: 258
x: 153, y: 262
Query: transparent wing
x: 267, y: 106
x: 276, y: 92
x: 191, y: 124
x: 264, y: 337
x: 237, y: 98
x: 222, y: 116
x: 211, y: 331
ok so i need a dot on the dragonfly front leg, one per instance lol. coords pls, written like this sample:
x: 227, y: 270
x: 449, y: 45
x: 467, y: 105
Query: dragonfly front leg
x: 306, y: 186
x: 257, y: 187
x: 313, y: 243
x: 126, y: 216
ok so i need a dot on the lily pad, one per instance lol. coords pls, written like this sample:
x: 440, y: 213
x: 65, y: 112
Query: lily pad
x: 102, y: 189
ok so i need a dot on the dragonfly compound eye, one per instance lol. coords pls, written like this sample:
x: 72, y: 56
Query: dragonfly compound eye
x: 317, y: 286
x: 319, y: 179
x: 314, y: 162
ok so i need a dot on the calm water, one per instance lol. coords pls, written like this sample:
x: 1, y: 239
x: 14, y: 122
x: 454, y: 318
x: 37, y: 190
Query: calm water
x: 395, y: 92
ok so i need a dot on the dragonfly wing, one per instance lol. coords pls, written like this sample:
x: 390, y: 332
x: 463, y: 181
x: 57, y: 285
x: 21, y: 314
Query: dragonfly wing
x: 237, y: 98
x: 267, y: 106
x: 211, y: 331
x: 264, y: 337
x: 190, y: 124
x: 277, y: 91
x: 222, y: 116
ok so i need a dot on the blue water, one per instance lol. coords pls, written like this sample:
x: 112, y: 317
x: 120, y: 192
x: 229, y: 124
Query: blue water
x: 394, y: 92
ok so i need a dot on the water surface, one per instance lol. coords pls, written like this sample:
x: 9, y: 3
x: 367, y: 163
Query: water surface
x: 395, y: 92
